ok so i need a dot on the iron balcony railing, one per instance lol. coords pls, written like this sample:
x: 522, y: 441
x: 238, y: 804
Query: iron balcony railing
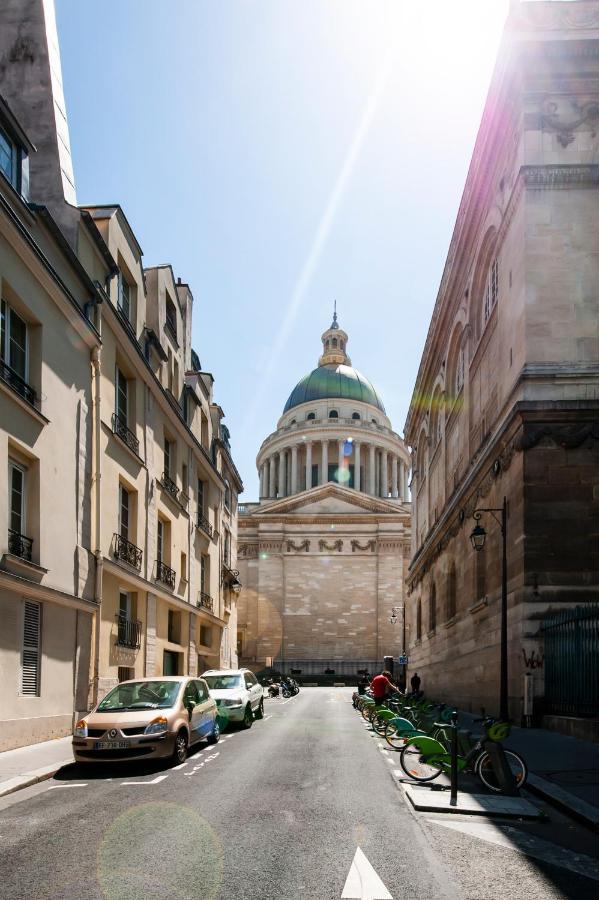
x: 205, y: 525
x: 19, y: 545
x: 128, y: 552
x: 165, y: 574
x: 169, y: 485
x: 128, y: 632
x: 18, y: 384
x: 119, y: 427
x: 205, y: 601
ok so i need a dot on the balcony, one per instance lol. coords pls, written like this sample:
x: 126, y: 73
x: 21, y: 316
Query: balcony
x: 169, y: 485
x: 18, y: 385
x: 128, y: 632
x: 128, y: 552
x: 205, y: 525
x: 19, y: 545
x: 165, y: 574
x: 205, y: 601
x: 119, y: 427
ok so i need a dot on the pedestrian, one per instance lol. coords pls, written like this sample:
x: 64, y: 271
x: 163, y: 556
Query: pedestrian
x: 381, y: 686
x: 415, y: 683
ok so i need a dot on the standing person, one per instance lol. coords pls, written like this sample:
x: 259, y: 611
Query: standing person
x: 415, y: 683
x: 381, y: 685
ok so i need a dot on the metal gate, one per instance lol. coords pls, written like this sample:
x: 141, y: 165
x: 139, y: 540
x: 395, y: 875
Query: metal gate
x: 572, y: 661
x: 328, y: 667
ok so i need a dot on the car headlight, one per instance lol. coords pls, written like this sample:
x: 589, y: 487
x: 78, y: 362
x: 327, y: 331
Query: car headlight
x: 157, y: 726
x: 233, y: 701
x: 80, y: 729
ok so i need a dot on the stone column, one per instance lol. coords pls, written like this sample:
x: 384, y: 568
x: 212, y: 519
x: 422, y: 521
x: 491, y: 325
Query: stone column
x: 394, y: 484
x: 356, y: 466
x: 281, y: 491
x: 294, y: 469
x: 384, y: 474
x: 308, y: 465
x: 371, y: 467
x: 272, y: 477
x: 340, y: 460
x: 324, y: 475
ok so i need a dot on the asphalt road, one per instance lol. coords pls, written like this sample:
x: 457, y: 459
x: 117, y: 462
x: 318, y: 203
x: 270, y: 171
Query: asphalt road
x: 274, y: 812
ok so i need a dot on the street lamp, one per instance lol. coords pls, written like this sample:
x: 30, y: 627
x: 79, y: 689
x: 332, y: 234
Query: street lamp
x: 393, y: 621
x: 478, y: 538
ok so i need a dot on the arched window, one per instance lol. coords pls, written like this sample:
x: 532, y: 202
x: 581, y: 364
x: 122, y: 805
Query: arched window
x: 491, y: 291
x: 436, y: 418
x: 328, y: 344
x: 432, y: 609
x: 355, y: 415
x: 459, y: 370
x: 335, y: 342
x: 293, y: 422
x: 419, y: 620
x: 451, y: 592
x: 333, y: 414
x: 374, y: 422
x: 311, y: 416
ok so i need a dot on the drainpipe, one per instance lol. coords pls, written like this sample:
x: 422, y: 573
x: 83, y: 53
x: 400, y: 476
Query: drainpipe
x: 96, y: 486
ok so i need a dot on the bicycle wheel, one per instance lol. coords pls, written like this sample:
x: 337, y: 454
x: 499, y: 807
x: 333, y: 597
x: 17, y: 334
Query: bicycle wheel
x: 414, y: 764
x: 484, y: 770
x: 366, y: 709
x: 393, y: 737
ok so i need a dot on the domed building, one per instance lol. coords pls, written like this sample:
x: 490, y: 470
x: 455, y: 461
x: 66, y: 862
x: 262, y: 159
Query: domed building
x: 324, y: 553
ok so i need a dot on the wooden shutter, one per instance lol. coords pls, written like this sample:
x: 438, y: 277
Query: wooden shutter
x: 30, y: 660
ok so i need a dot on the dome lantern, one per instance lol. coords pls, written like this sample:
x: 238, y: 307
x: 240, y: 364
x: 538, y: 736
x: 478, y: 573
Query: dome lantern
x: 334, y: 343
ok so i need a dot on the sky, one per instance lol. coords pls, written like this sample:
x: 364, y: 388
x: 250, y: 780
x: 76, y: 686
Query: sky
x: 281, y: 155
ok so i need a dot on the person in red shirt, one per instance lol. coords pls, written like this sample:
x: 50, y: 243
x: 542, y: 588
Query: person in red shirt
x: 381, y: 685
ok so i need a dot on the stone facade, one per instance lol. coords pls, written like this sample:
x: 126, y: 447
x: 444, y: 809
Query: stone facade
x: 510, y: 374
x: 323, y: 564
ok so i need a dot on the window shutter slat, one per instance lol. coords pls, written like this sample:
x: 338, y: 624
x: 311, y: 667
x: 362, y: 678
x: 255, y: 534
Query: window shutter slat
x: 30, y: 665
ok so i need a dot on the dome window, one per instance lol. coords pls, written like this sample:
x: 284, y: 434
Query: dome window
x: 374, y: 422
x: 311, y: 416
x: 333, y: 414
x: 293, y: 422
x: 355, y: 415
x: 335, y: 342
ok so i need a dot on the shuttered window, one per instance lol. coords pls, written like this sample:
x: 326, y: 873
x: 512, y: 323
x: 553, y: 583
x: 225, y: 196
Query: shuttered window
x: 30, y: 660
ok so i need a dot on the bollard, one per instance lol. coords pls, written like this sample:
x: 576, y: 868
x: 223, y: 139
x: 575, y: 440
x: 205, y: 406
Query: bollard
x: 453, y: 800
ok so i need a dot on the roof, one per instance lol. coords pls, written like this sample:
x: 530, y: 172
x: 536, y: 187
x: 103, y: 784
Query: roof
x: 334, y: 382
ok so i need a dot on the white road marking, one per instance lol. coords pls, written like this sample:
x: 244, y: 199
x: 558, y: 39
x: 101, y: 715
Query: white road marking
x: 362, y: 882
x: 287, y: 701
x: 180, y: 766
x: 153, y: 781
x: 56, y: 786
x: 266, y: 718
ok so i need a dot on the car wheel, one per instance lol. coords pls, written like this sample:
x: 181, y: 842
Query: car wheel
x: 260, y: 710
x: 248, y: 717
x: 181, y: 747
x: 215, y: 736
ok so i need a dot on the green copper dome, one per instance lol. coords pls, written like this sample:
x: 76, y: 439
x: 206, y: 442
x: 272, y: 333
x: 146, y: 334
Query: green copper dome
x: 332, y: 382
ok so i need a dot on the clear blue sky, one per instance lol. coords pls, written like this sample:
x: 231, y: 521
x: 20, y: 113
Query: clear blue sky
x: 282, y: 154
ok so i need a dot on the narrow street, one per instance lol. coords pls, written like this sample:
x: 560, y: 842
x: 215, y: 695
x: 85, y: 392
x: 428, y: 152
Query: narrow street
x: 274, y: 812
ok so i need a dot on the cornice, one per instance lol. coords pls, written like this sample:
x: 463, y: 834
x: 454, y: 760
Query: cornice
x: 283, y: 505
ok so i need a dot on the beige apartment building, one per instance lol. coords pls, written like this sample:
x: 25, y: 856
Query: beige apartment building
x: 120, y: 495
x: 506, y: 401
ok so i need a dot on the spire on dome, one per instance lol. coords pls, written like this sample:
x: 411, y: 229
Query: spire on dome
x: 335, y: 323
x: 334, y: 342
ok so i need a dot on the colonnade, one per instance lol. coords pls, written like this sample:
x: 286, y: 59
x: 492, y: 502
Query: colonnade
x: 363, y: 466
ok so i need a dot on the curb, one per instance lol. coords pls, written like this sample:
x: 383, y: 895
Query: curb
x: 573, y: 806
x: 33, y: 777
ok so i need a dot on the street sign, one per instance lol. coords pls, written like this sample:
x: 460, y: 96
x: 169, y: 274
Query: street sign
x: 403, y: 660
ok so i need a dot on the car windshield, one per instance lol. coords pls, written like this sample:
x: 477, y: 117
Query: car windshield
x: 223, y: 682
x: 133, y: 695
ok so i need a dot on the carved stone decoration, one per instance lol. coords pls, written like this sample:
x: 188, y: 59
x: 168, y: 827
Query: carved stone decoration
x: 271, y: 546
x: 247, y: 551
x: 569, y: 436
x: 335, y: 546
x: 305, y: 545
x: 564, y: 116
x: 390, y: 546
x: 369, y: 545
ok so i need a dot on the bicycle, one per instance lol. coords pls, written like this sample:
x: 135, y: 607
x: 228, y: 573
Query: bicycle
x: 400, y: 728
x: 424, y: 758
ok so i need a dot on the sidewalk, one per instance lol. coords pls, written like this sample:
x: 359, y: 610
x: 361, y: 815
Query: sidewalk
x: 27, y: 765
x: 563, y: 770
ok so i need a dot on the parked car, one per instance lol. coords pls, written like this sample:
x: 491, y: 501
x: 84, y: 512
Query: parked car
x: 238, y: 693
x: 148, y: 718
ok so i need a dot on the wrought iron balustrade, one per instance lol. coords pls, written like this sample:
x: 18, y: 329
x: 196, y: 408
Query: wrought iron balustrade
x: 205, y: 525
x: 119, y: 427
x: 169, y: 485
x: 128, y: 632
x: 205, y: 601
x: 128, y: 552
x: 18, y: 384
x: 165, y: 574
x: 19, y: 545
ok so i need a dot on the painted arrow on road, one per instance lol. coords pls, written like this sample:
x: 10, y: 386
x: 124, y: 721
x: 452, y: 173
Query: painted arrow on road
x: 363, y: 883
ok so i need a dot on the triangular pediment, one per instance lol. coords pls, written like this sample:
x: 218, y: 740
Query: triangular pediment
x: 328, y: 499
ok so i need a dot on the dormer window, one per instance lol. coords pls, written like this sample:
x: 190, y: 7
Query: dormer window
x: 311, y: 415
x: 124, y: 298
x: 14, y: 161
x: 8, y: 159
x: 335, y: 343
x: 333, y: 414
x: 171, y: 317
x: 355, y: 415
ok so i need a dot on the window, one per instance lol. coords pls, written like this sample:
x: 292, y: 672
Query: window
x: 227, y: 548
x: 17, y: 501
x: 122, y: 398
x: 432, y: 610
x: 201, y: 498
x: 124, y: 296
x: 31, y: 649
x: 125, y: 673
x: 171, y: 317
x: 13, y: 340
x: 160, y: 541
x: 451, y: 593
x: 311, y: 416
x: 459, y: 371
x: 491, y: 290
x: 167, y: 457
x: 227, y: 495
x: 183, y: 566
x: 419, y: 620
x: 202, y: 691
x: 204, y: 580
x: 174, y: 626
x: 123, y: 512
x: 374, y: 422
x: 8, y: 159
x: 126, y: 605
x: 184, y: 479
x: 355, y: 415
x: 335, y: 343
x: 333, y: 414
x: 206, y: 635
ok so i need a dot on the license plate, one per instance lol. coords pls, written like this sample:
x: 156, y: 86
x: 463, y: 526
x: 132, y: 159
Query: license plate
x: 111, y: 745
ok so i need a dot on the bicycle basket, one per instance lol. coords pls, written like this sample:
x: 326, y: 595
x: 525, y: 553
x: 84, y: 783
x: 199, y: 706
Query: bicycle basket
x: 498, y: 731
